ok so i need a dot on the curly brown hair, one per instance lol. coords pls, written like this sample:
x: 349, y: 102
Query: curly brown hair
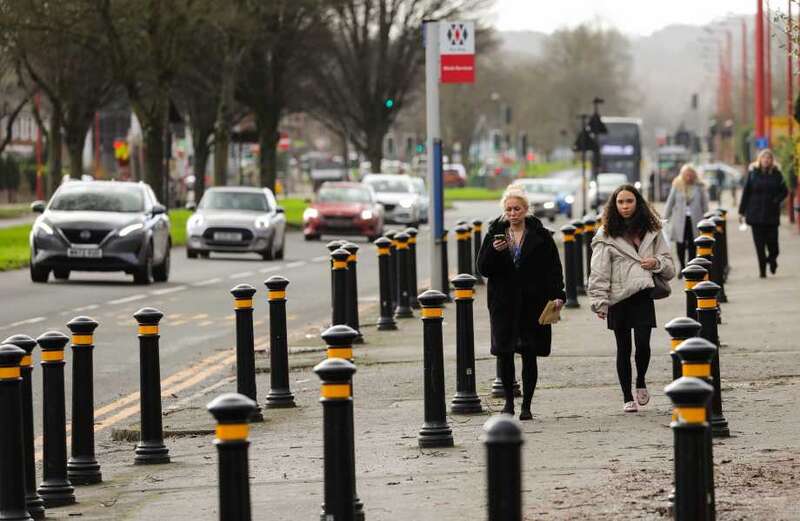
x: 645, y: 218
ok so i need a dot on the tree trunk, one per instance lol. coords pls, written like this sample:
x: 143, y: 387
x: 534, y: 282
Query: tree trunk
x: 154, y: 158
x: 268, y: 137
x: 54, y: 158
x: 374, y: 150
x: 75, y: 138
x: 222, y: 139
x: 201, y: 152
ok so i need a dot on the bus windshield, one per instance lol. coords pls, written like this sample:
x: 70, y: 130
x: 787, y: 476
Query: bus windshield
x: 621, y: 148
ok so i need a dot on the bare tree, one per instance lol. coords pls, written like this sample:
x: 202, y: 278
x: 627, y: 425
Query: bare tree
x: 13, y: 97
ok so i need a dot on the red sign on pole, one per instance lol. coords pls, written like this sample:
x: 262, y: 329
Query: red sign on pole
x: 457, y: 52
x: 284, y: 143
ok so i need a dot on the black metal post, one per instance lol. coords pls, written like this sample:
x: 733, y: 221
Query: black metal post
x: 403, y: 309
x: 232, y: 412
x: 435, y: 432
x: 466, y: 400
x: 445, y: 289
x: 280, y: 395
x: 413, y: 283
x: 33, y: 501
x: 337, y: 409
x: 719, y: 258
x: 569, y: 266
x: 352, y: 291
x: 151, y: 448
x: 12, y: 460
x: 589, y: 229
x: 707, y: 309
x: 463, y: 246
x: 693, y: 274
x: 477, y: 226
x: 55, y: 488
x: 332, y: 247
x: 386, y: 321
x: 392, y: 267
x: 690, y: 396
x: 580, y: 287
x: 723, y: 213
x: 503, y: 442
x: 498, y: 391
x: 339, y: 275
x: 82, y: 466
x: 679, y: 329
x: 245, y: 354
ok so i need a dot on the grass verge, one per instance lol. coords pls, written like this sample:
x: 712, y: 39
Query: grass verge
x: 14, y: 250
x: 471, y: 193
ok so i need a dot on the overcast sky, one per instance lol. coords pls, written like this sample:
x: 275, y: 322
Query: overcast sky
x: 636, y: 17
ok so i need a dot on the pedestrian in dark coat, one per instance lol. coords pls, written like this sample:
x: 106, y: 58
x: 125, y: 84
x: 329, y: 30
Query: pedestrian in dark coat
x: 523, y: 272
x: 760, y: 206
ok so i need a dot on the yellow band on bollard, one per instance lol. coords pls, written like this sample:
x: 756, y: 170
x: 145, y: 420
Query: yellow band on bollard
x: 463, y: 236
x: 697, y: 370
x: 26, y: 361
x: 464, y: 293
x: 719, y: 229
x: 476, y: 227
x: 690, y: 414
x: 444, y: 237
x: 82, y: 340
x: 351, y: 258
x: 710, y: 235
x: 707, y: 277
x: 704, y: 251
x: 432, y: 312
x: 335, y: 391
x: 707, y: 303
x: 276, y: 295
x: 383, y: 251
x: 9, y: 373
x: 394, y: 242
x: 340, y: 265
x: 243, y: 303
x: 52, y: 356
x: 148, y: 330
x: 674, y: 343
x: 340, y: 352
x: 690, y: 284
x: 569, y: 237
x: 402, y: 245
x: 579, y: 231
x: 412, y: 240
x: 232, y: 431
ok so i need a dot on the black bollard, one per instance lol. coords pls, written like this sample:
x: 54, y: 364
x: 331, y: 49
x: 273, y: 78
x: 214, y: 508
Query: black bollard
x: 245, y: 353
x: 403, y: 309
x: 151, y: 449
x: 723, y: 230
x: 693, y: 274
x: 719, y: 259
x: 445, y: 289
x: 503, y: 442
x: 689, y: 397
x: 569, y: 266
x: 82, y: 466
x: 386, y: 320
x: 55, y: 488
x: 696, y: 355
x: 463, y: 247
x: 498, y: 391
x: 580, y: 286
x: 477, y: 226
x: 707, y: 309
x: 280, y: 395
x: 12, y: 460
x: 392, y: 267
x: 589, y: 229
x: 352, y: 291
x: 679, y: 329
x: 413, y: 284
x: 232, y: 412
x: 466, y: 400
x: 435, y: 431
x: 339, y: 276
x: 337, y: 409
x: 332, y: 247
x: 33, y: 501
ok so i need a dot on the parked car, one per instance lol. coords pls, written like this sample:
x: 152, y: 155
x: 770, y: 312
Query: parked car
x: 101, y: 226
x: 323, y: 170
x: 454, y: 175
x: 542, y: 197
x: 396, y: 194
x: 343, y: 209
x: 237, y: 220
x: 418, y: 185
x: 565, y: 190
x: 601, y: 190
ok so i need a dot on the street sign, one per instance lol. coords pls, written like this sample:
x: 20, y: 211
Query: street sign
x: 457, y: 52
x: 762, y: 142
x: 283, y: 143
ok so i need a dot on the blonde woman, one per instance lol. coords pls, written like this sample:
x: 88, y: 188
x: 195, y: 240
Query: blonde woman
x: 685, y: 207
x: 523, y: 270
x: 764, y: 191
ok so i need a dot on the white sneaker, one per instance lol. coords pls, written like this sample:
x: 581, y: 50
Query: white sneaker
x: 630, y: 407
x: 642, y: 396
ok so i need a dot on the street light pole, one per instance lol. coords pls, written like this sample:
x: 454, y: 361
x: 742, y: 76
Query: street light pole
x: 435, y: 208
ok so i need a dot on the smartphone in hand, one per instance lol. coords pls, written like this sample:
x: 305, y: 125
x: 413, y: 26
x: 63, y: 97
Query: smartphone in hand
x: 499, y: 237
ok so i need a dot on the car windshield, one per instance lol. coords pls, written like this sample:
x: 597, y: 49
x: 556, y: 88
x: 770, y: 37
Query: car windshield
x: 244, y: 201
x: 611, y: 181
x: 99, y: 198
x: 541, y: 188
x: 343, y: 195
x: 418, y: 185
x: 390, y: 185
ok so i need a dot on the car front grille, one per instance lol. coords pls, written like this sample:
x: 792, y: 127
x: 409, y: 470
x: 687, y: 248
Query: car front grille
x: 82, y: 236
x: 338, y: 221
x: 246, y: 234
x: 389, y: 207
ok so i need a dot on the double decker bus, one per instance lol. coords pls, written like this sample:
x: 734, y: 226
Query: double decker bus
x: 621, y: 148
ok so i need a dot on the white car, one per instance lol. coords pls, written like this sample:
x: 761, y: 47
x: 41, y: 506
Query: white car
x: 601, y: 190
x: 397, y: 196
x: 418, y: 184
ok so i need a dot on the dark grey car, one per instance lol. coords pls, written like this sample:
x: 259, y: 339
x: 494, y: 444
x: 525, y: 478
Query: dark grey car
x: 101, y: 226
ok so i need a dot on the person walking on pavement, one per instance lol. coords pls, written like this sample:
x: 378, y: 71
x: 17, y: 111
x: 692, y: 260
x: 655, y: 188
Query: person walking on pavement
x: 520, y: 261
x: 760, y: 206
x: 628, y: 250
x: 685, y: 207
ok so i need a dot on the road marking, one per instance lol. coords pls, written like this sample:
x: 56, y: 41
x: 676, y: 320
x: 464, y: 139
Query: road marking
x: 168, y: 290
x: 125, y: 300
x: 201, y: 316
x: 296, y: 264
x: 206, y: 282
x: 321, y: 258
x: 205, y: 323
x: 240, y: 275
x: 33, y: 320
x: 86, y: 308
x: 271, y: 269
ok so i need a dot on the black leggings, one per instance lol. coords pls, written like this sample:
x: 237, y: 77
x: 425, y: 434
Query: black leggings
x: 641, y: 336
x: 530, y: 374
x: 686, y: 243
x: 765, y: 237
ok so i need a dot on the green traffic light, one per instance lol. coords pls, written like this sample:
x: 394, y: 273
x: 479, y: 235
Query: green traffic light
x: 389, y: 103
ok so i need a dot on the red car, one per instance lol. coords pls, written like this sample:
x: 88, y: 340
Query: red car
x: 342, y: 208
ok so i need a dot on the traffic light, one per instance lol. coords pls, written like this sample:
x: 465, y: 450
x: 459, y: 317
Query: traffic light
x: 121, y: 152
x: 388, y: 103
x: 420, y: 148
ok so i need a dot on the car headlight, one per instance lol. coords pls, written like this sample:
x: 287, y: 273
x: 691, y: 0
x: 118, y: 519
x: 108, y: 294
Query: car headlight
x: 130, y: 229
x: 407, y: 203
x: 366, y: 215
x: 569, y: 199
x: 549, y: 205
x: 637, y: 185
x: 42, y: 228
x: 310, y: 213
x: 262, y: 222
x: 195, y: 221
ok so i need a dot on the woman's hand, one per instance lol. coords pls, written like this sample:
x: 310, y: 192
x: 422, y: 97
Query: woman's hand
x: 602, y: 315
x: 500, y: 245
x: 649, y: 263
x: 559, y: 303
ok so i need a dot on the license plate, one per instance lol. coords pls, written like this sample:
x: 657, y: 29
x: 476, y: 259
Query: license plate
x: 340, y: 222
x: 85, y: 253
x: 227, y: 236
